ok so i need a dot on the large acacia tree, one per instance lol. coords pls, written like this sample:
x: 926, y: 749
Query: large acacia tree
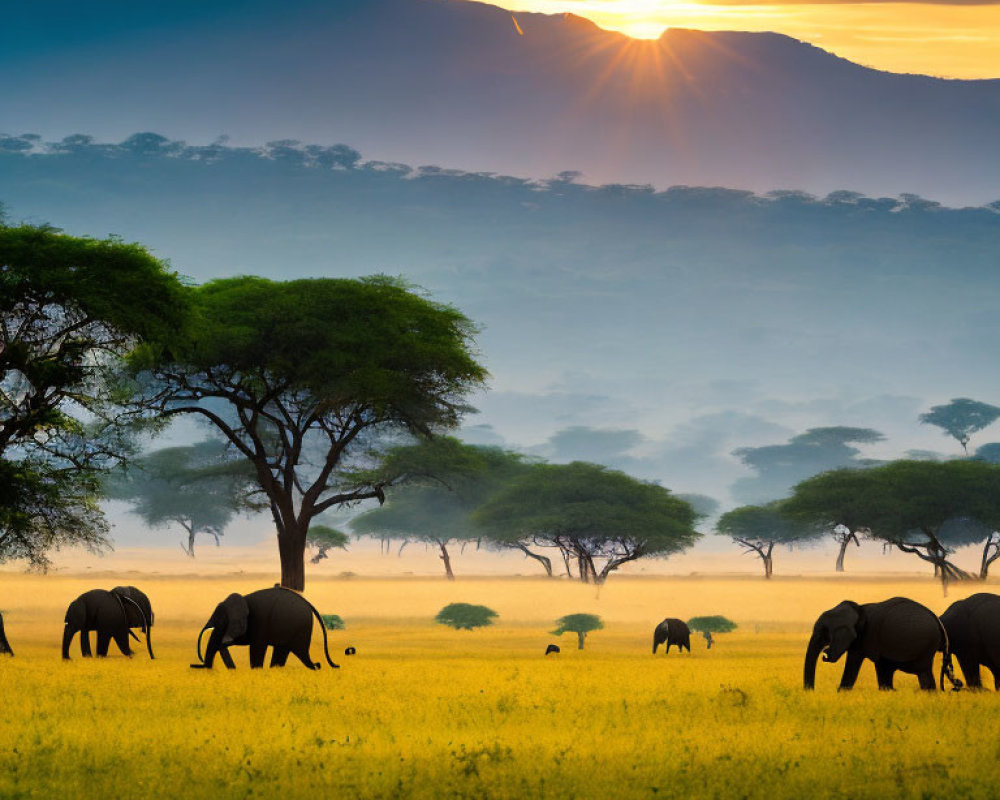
x: 301, y: 377
x: 602, y: 517
x: 70, y: 308
x: 926, y: 508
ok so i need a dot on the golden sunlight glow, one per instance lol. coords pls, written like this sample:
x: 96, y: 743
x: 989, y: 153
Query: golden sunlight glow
x: 944, y: 40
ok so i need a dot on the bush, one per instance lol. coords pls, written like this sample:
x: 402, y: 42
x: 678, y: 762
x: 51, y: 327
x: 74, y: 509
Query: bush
x: 465, y: 616
x: 580, y: 624
x: 333, y: 622
x: 709, y: 625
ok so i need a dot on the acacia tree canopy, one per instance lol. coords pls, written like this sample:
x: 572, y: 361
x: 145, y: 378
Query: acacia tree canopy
x: 960, y: 418
x: 70, y: 308
x: 303, y: 376
x: 927, y: 508
x: 436, y: 485
x: 759, y: 528
x: 591, y: 511
x: 199, y: 487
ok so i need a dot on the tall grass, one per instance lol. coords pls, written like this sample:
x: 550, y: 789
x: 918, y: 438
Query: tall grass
x: 425, y: 711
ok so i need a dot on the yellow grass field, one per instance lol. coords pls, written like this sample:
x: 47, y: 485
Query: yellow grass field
x: 425, y: 711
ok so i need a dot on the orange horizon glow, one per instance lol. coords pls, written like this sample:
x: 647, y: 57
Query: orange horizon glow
x: 942, y: 40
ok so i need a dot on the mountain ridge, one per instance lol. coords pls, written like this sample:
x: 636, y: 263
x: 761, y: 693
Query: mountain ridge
x: 440, y: 81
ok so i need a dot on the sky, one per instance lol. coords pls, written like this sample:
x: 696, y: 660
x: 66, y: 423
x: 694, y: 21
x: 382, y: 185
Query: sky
x: 945, y: 39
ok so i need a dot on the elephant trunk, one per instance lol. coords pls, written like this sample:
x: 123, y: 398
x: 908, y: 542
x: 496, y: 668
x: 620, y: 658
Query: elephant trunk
x: 149, y: 644
x: 816, y: 645
x: 68, y: 633
x: 200, y: 634
x: 656, y: 643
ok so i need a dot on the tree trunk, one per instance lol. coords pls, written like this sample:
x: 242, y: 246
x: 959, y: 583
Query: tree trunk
x: 768, y: 566
x: 566, y: 560
x: 580, y: 637
x: 708, y: 639
x: 588, y: 573
x: 292, y: 552
x: 992, y: 544
x: 447, y: 560
x: 840, y: 555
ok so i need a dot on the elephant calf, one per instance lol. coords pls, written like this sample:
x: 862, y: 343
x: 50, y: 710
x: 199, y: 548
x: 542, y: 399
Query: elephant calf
x: 672, y: 631
x: 112, y: 614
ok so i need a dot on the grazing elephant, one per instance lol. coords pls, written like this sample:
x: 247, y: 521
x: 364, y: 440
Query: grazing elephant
x: 896, y: 634
x: 113, y: 615
x: 973, y: 626
x: 672, y: 631
x: 552, y: 648
x: 4, y: 644
x: 278, y: 617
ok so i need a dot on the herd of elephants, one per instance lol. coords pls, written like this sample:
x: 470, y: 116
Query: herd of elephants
x: 898, y: 634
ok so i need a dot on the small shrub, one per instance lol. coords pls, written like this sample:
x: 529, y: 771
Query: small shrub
x: 706, y: 626
x: 580, y: 624
x: 465, y: 616
x: 333, y: 622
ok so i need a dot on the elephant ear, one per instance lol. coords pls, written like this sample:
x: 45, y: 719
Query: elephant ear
x: 237, y: 617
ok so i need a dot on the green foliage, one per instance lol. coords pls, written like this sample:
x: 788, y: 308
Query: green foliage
x: 578, y: 623
x: 333, y: 622
x: 323, y: 538
x: 711, y: 624
x: 927, y: 508
x: 199, y: 487
x: 763, y: 524
x: 592, y: 512
x: 70, y: 308
x: 465, y: 616
x: 306, y: 374
x: 961, y: 418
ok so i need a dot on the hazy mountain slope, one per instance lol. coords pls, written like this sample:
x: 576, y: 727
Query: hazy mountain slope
x: 706, y: 319
x: 449, y: 82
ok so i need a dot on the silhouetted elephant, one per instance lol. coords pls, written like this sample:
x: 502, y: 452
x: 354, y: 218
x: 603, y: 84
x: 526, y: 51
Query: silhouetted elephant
x: 112, y: 614
x: 896, y: 634
x: 4, y: 644
x: 552, y: 648
x: 672, y: 631
x: 277, y: 618
x: 973, y: 626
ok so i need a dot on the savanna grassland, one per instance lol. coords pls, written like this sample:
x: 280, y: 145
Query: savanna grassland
x: 426, y: 711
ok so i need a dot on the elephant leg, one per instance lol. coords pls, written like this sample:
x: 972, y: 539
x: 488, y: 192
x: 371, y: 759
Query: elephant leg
x: 885, y: 674
x: 85, y: 643
x: 279, y: 655
x: 103, y: 640
x: 851, y: 669
x: 970, y: 669
x: 121, y: 639
x: 258, y: 651
x: 301, y: 651
x: 926, y: 680
x: 667, y: 651
x: 226, y: 658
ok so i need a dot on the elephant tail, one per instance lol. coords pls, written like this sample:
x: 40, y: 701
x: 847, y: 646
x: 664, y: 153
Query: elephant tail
x: 322, y: 627
x: 947, y: 667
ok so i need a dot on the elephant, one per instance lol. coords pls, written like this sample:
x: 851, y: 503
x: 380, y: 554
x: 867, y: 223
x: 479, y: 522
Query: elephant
x: 4, y: 644
x: 973, y: 627
x: 552, y: 648
x: 896, y: 634
x: 279, y: 618
x: 112, y: 614
x: 672, y: 631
